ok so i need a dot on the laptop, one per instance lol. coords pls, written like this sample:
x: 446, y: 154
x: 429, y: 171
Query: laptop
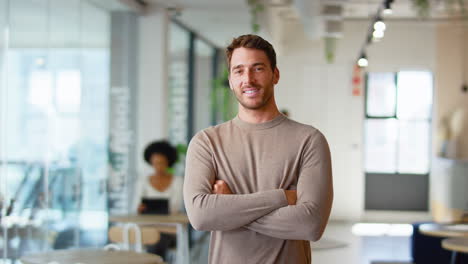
x: 156, y: 206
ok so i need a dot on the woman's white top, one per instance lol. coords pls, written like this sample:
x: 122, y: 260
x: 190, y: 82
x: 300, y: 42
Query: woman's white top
x: 173, y: 193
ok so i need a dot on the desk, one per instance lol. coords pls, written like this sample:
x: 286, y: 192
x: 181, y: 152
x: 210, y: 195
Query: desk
x: 91, y: 256
x: 459, y: 244
x: 179, y: 221
x: 444, y: 230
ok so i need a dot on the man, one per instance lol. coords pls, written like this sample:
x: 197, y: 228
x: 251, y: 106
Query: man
x: 261, y: 182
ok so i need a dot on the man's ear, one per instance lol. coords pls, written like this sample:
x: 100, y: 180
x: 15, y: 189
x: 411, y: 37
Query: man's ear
x: 229, y: 79
x: 276, y: 75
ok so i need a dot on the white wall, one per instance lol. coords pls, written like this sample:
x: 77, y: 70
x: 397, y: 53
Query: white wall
x: 448, y: 175
x: 319, y: 94
x: 452, y: 43
x: 153, y: 77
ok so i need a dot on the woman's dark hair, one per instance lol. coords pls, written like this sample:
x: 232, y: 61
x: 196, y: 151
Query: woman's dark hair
x: 161, y: 147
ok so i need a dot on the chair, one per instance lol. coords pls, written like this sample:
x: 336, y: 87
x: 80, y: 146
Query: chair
x: 132, y: 234
x: 464, y: 217
x: 427, y: 249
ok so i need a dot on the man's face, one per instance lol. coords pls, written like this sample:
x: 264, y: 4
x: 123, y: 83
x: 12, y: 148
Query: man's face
x: 251, y: 78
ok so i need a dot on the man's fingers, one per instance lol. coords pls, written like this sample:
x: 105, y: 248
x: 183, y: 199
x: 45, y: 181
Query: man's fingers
x: 221, y: 187
x: 291, y: 196
x: 220, y: 182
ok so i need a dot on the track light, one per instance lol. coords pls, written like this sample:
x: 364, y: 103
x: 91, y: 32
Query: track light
x: 377, y: 35
x: 388, y: 7
x: 379, y: 29
x: 376, y: 31
x: 379, y: 25
x: 363, y: 62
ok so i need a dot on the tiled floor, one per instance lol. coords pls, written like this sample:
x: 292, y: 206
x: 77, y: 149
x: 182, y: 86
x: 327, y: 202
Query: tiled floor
x: 350, y: 249
x: 361, y: 249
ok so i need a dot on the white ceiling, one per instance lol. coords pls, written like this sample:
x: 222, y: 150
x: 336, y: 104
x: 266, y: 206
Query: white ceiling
x: 58, y: 23
x: 221, y: 20
x: 217, y: 20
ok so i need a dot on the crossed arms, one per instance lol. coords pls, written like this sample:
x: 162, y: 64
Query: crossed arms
x: 273, y: 213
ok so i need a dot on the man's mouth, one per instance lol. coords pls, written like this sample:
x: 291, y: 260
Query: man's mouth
x: 251, y: 91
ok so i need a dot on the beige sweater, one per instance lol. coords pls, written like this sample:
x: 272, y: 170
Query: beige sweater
x: 258, y: 161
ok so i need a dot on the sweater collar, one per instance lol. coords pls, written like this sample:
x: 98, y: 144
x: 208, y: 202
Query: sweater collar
x: 260, y: 126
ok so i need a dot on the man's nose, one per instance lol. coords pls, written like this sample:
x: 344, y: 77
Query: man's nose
x: 248, y: 76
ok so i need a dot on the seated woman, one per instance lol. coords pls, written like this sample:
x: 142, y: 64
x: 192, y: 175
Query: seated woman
x: 161, y: 184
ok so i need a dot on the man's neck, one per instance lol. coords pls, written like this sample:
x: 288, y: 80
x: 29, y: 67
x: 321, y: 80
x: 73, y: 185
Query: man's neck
x: 258, y: 116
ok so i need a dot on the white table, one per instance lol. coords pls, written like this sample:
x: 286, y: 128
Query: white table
x: 456, y: 245
x: 180, y: 221
x: 91, y: 256
x: 444, y: 230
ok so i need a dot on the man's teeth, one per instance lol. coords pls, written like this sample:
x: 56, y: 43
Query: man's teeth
x: 250, y: 91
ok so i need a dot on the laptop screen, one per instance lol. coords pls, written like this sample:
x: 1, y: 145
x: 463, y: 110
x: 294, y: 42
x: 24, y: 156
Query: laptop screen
x: 155, y: 206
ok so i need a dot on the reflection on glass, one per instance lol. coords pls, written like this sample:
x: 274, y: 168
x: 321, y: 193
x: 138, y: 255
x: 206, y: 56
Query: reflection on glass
x: 203, y: 84
x: 40, y: 89
x: 413, y: 147
x: 381, y: 94
x: 381, y: 142
x: 68, y: 92
x: 414, y: 95
x: 178, y: 84
x: 55, y: 120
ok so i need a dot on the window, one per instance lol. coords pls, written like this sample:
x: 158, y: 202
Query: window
x: 398, y: 119
x: 397, y: 139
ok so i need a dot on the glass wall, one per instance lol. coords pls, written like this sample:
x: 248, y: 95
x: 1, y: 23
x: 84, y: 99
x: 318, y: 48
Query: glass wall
x: 203, y: 84
x: 194, y: 71
x: 54, y: 65
x: 179, y: 46
x: 195, y: 100
x: 223, y: 100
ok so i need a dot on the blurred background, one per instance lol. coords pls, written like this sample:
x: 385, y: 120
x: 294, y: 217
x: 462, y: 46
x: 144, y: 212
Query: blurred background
x: 86, y: 84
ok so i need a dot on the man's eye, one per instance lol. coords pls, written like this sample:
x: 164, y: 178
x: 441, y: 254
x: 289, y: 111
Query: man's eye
x: 259, y: 69
x: 237, y: 71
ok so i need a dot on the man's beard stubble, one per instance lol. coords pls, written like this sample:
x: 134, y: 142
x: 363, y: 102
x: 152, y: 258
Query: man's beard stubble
x: 263, y: 102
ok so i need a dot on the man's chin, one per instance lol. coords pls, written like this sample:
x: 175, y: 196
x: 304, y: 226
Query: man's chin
x: 253, y: 106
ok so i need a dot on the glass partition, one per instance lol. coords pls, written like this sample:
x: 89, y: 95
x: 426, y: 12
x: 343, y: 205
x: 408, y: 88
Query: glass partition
x: 179, y: 45
x: 54, y: 61
x: 203, y: 84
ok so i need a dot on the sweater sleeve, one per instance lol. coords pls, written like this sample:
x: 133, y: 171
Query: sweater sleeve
x: 308, y: 218
x: 207, y: 211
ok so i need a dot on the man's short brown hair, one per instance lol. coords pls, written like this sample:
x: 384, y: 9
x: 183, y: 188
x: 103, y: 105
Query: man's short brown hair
x: 251, y: 42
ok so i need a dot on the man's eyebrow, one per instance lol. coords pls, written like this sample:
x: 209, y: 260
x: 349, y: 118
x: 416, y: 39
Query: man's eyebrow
x: 253, y: 65
x: 238, y: 66
x: 259, y: 64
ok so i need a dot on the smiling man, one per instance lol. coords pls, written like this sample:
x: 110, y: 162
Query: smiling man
x: 262, y: 183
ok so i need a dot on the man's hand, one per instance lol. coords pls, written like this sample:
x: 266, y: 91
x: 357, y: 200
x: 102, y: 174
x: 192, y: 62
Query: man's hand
x: 291, y: 195
x: 221, y: 187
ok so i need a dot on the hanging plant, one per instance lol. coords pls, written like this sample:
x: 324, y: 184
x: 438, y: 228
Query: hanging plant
x: 255, y: 8
x: 330, y: 48
x: 222, y: 99
x: 423, y: 7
